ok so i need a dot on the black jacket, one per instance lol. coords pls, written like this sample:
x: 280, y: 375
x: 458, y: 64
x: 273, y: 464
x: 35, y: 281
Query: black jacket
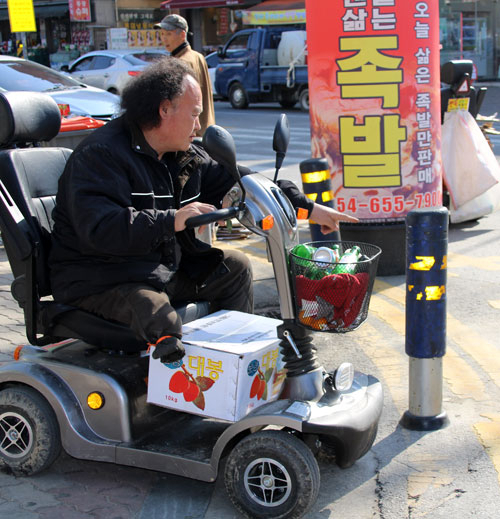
x: 115, y: 211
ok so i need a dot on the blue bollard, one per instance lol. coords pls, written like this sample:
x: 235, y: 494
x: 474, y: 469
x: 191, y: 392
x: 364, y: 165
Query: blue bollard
x: 317, y: 186
x: 426, y: 258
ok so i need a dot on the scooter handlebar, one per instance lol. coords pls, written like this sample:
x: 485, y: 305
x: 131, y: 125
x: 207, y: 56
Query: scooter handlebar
x: 214, y: 216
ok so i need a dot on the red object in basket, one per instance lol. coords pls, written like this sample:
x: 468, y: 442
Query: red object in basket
x: 80, y: 123
x: 344, y: 292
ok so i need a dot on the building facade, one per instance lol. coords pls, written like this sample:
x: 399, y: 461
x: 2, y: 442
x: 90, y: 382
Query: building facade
x: 468, y: 29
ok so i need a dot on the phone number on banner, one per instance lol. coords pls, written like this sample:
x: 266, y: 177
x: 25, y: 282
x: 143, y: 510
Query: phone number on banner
x: 388, y: 204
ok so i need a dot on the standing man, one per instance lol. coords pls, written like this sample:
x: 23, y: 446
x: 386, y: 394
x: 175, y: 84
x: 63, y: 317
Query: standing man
x: 173, y: 32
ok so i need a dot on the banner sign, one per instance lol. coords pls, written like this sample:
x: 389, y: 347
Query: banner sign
x: 274, y: 17
x: 79, y: 10
x: 21, y: 16
x: 374, y: 90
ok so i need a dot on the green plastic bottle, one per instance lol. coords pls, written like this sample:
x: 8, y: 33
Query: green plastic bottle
x: 304, y: 253
x: 347, y: 262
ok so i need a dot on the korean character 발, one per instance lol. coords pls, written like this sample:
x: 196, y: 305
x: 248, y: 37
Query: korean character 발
x: 423, y: 120
x: 371, y: 151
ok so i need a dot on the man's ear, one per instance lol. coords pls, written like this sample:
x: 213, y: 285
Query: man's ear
x: 165, y: 108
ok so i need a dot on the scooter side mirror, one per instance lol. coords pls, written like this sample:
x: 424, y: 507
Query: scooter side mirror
x: 219, y: 144
x: 281, y: 136
x: 281, y: 139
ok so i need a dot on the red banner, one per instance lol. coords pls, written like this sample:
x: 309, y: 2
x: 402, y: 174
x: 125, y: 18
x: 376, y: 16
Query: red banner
x: 79, y: 10
x: 374, y: 91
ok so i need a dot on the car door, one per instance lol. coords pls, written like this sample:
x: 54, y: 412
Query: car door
x: 80, y: 69
x: 239, y: 62
x: 102, y: 72
x: 93, y: 70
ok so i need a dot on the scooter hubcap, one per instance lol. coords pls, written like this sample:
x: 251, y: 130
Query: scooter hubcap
x: 16, y: 435
x: 267, y: 482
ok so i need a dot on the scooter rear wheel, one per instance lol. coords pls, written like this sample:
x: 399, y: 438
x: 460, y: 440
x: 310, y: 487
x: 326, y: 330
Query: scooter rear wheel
x: 272, y: 474
x: 29, y: 432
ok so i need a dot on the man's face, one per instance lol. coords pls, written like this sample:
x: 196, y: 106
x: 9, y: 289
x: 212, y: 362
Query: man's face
x: 172, y: 39
x: 180, y: 118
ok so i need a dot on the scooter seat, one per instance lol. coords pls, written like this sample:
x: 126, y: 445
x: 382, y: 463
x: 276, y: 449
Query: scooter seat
x: 29, y: 177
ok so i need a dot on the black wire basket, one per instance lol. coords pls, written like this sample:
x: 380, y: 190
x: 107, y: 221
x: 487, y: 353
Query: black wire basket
x: 332, y: 282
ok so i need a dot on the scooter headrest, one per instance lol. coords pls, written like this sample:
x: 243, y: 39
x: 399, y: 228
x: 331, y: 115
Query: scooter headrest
x: 27, y: 117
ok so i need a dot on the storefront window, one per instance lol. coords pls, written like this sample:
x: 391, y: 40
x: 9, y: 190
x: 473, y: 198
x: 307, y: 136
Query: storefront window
x: 468, y: 31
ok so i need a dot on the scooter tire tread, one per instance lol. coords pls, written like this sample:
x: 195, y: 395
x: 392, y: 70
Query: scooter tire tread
x: 46, y: 446
x: 293, y: 453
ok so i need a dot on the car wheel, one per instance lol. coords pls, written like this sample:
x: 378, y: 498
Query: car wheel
x: 238, y: 97
x: 304, y: 100
x: 29, y: 432
x: 272, y: 474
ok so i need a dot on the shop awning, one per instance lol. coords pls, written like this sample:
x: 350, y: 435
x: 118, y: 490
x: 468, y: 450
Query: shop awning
x: 193, y: 4
x: 275, y: 12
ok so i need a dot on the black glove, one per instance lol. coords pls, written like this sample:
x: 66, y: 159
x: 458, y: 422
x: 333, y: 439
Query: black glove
x: 169, y: 349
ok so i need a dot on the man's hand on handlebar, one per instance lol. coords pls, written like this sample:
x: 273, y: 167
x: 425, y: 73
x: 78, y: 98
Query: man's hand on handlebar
x: 329, y: 218
x: 189, y: 210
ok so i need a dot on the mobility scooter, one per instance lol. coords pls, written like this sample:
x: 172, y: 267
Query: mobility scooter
x: 81, y: 383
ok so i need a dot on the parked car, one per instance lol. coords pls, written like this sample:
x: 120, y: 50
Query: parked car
x: 73, y: 97
x: 212, y: 60
x: 112, y: 69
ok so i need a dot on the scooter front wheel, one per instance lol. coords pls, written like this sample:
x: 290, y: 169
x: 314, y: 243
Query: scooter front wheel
x: 29, y: 432
x: 272, y: 474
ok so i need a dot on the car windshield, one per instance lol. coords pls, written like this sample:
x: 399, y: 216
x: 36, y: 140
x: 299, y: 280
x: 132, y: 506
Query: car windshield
x: 26, y: 75
x: 212, y: 60
x: 140, y: 58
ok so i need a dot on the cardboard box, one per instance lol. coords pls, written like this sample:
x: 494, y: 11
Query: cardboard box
x: 232, y: 365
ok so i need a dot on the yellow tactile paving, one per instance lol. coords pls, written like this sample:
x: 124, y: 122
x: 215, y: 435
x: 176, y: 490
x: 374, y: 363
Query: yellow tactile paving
x: 489, y: 435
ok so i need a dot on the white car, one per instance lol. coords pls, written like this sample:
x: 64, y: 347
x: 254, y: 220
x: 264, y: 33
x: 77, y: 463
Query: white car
x: 212, y: 60
x: 112, y: 69
x: 73, y: 97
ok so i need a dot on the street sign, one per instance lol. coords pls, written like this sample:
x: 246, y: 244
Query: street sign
x: 21, y: 16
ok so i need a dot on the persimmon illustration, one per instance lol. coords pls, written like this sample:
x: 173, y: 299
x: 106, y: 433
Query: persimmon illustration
x: 191, y: 392
x: 255, y: 386
x: 179, y: 382
x: 192, y: 388
x: 262, y: 388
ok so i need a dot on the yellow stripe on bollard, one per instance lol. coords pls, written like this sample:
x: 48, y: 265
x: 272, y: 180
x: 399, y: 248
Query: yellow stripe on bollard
x: 315, y: 176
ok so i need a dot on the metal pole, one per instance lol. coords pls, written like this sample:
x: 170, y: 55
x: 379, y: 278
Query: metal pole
x: 426, y: 257
x: 317, y: 185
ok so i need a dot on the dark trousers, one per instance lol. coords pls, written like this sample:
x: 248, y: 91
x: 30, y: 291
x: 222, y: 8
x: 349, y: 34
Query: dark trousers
x: 149, y: 312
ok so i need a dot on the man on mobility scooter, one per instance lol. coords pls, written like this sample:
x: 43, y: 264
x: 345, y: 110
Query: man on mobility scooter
x: 72, y: 387
x: 120, y: 248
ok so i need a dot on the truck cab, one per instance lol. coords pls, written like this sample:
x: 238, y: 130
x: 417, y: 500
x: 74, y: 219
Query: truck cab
x: 248, y: 69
